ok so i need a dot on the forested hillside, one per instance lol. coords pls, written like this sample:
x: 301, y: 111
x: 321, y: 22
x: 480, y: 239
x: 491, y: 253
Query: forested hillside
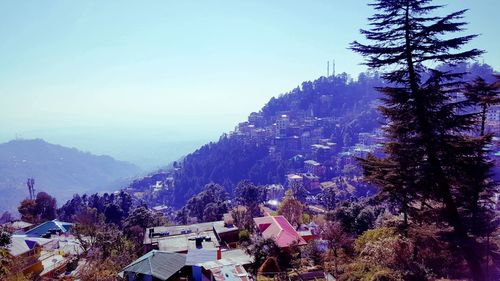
x: 341, y: 107
x: 336, y: 110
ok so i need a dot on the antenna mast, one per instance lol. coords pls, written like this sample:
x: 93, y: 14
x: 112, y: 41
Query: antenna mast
x: 333, y: 67
x: 31, y: 187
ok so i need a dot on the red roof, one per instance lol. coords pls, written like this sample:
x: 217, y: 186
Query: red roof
x: 280, y: 230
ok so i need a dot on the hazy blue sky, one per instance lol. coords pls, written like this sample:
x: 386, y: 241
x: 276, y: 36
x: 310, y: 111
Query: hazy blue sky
x: 120, y: 77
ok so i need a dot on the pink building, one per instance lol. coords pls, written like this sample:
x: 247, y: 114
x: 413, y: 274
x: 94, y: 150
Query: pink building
x: 280, y: 230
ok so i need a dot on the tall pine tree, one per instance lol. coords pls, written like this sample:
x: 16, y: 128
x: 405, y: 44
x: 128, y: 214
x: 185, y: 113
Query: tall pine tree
x: 431, y: 158
x: 484, y: 95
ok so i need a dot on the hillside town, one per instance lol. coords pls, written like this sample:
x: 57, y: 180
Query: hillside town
x: 308, y: 142
x: 390, y: 176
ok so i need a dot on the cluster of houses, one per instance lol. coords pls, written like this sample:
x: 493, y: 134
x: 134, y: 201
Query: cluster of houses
x: 200, y: 251
x: 301, y: 137
x: 295, y: 135
x: 291, y: 134
x: 212, y: 251
x: 44, y: 251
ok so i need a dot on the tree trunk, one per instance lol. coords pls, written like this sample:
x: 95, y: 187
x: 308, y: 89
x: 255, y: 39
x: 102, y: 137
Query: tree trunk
x: 483, y: 119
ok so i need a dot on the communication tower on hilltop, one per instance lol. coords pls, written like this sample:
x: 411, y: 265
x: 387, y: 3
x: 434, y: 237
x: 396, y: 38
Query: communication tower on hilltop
x: 31, y: 187
x: 328, y: 68
x: 333, y: 67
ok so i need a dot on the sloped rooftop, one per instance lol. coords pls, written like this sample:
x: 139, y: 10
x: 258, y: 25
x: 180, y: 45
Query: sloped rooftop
x: 279, y: 229
x: 46, y: 227
x: 161, y: 265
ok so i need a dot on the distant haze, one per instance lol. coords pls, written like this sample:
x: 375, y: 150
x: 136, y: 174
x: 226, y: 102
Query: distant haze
x: 149, y: 148
x: 148, y: 82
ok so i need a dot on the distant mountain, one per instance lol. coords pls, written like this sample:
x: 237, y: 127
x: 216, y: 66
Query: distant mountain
x: 58, y: 170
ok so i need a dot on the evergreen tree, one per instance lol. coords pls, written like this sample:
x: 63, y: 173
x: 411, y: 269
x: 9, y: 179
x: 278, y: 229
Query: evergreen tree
x: 484, y: 95
x: 328, y: 198
x: 430, y: 159
x: 250, y: 196
x: 46, y: 206
x: 291, y: 208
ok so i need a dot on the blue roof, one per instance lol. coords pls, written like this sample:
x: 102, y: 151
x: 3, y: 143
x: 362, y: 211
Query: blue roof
x: 31, y: 244
x: 48, y: 226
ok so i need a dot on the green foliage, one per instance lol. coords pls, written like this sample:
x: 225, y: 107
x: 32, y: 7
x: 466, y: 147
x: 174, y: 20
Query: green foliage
x: 372, y: 235
x: 28, y: 211
x: 9, y: 266
x: 262, y: 249
x: 226, y: 162
x: 484, y: 95
x: 367, y: 272
x: 114, y: 207
x: 5, y: 258
x: 42, y: 209
x: 299, y: 191
x: 244, y: 235
x: 208, y: 205
x: 328, y: 197
x: 214, y: 211
x: 291, y: 208
x: 107, y: 249
x: 144, y: 218
x: 313, y: 253
x: 249, y: 195
x: 433, y: 170
x: 339, y: 246
x: 5, y: 234
x: 134, y: 226
x: 87, y: 225
x: 45, y: 206
x: 356, y: 216
x: 384, y: 255
x: 306, y: 218
x: 242, y: 218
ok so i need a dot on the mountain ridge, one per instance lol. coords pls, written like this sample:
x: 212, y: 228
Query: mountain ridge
x: 58, y: 170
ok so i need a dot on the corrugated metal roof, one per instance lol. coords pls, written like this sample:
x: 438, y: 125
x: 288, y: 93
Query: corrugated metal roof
x: 226, y: 270
x: 161, y: 265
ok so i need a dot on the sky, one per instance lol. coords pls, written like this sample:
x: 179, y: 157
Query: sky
x: 148, y: 81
